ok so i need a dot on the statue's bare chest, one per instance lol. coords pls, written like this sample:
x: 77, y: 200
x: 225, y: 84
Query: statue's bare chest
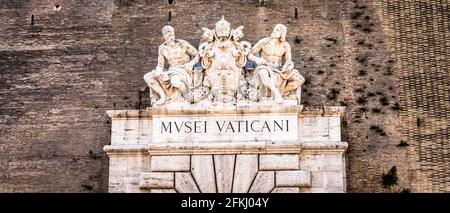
x: 274, y: 49
x: 174, y: 52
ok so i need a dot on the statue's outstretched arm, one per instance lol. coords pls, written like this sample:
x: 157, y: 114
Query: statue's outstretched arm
x: 256, y: 49
x: 259, y: 45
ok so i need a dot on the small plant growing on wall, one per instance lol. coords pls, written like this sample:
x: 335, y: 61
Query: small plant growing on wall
x: 396, y: 107
x: 390, y: 178
x: 361, y: 100
x: 402, y: 144
x: 384, y: 100
x: 297, y: 40
x: 378, y: 129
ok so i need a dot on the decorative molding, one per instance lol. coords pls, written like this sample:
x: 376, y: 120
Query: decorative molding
x: 323, y: 111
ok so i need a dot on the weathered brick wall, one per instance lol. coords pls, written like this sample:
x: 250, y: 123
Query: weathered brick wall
x: 419, y: 34
x: 63, y: 69
x: 372, y: 114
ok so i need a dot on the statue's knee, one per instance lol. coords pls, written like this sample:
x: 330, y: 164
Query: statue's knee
x: 177, y: 83
x: 149, y: 77
x: 151, y: 81
x: 175, y: 80
x: 300, y: 80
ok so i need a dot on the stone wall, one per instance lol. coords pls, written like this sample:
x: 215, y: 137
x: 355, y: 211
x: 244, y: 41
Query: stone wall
x: 61, y: 70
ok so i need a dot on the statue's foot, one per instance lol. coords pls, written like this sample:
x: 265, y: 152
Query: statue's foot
x: 177, y: 98
x: 161, y: 101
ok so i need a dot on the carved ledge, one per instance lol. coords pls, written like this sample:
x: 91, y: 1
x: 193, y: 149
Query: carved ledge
x: 227, y: 148
x: 325, y: 111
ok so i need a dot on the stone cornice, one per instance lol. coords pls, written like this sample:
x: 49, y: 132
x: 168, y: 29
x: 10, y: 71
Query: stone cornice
x: 226, y: 148
x: 327, y: 111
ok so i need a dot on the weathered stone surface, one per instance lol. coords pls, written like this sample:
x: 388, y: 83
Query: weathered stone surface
x: 224, y: 165
x: 245, y: 170
x: 156, y: 180
x: 278, y: 161
x: 124, y: 184
x: 130, y: 131
x: 286, y: 190
x: 333, y: 162
x: 334, y: 129
x: 318, y: 179
x: 170, y: 163
x: 334, y: 179
x: 312, y: 161
x: 202, y: 170
x: 184, y: 183
x: 163, y: 191
x: 324, y: 190
x: 293, y: 178
x: 314, y: 129
x: 125, y: 171
x: 263, y: 183
x: 335, y: 190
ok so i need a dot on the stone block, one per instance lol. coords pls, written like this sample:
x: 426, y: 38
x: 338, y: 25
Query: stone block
x: 224, y: 165
x: 116, y: 185
x: 286, y: 190
x: 163, y: 191
x: 117, y: 164
x: 263, y: 183
x: 185, y: 183
x: 278, y: 162
x: 326, y: 190
x: 202, y: 170
x: 176, y: 163
x: 318, y: 190
x: 334, y: 131
x: 123, y: 184
x: 130, y: 131
x: 333, y: 162
x: 245, y: 171
x: 160, y: 180
x: 312, y: 162
x: 293, y: 178
x: 318, y: 179
x: 137, y: 164
x: 313, y: 129
x: 335, y: 190
x: 335, y: 179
